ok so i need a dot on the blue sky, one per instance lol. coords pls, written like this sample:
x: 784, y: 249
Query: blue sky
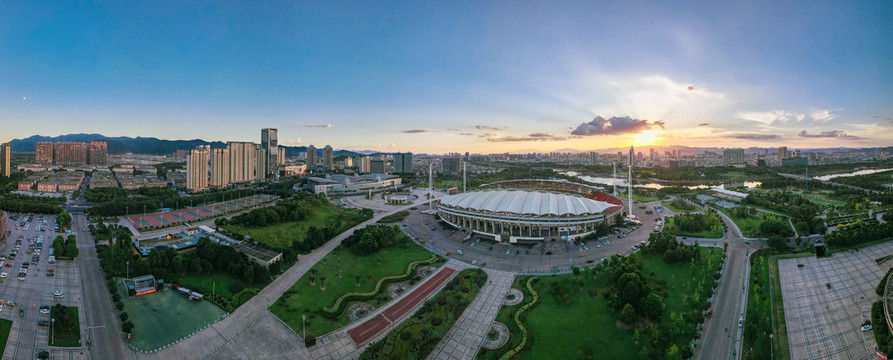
x: 453, y: 76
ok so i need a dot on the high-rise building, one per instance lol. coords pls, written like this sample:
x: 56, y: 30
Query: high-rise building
x: 220, y: 170
x: 363, y: 164
x: 98, y: 153
x: 733, y: 157
x: 5, y: 156
x: 632, y: 156
x: 70, y: 153
x: 242, y: 161
x: 403, y: 163
x: 311, y: 158
x: 197, y: 168
x: 269, y: 140
x: 44, y: 153
x: 281, y: 156
x: 260, y: 162
x: 651, y: 154
x: 782, y: 153
x: 451, y: 165
x: 377, y: 166
x: 328, y: 158
x: 593, y: 158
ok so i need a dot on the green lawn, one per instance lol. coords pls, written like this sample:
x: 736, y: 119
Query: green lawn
x: 750, y: 225
x: 220, y: 284
x: 394, y: 218
x: 645, y: 196
x: 680, y: 209
x: 282, y: 235
x: 304, y: 298
x: 505, y: 316
x: 67, y: 334
x: 714, y: 232
x: 5, y: 326
x: 588, y: 327
x: 761, y: 313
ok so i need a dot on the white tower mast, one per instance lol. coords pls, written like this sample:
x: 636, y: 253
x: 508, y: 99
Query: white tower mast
x: 431, y: 184
x: 614, y: 179
x: 464, y: 175
x: 630, y: 191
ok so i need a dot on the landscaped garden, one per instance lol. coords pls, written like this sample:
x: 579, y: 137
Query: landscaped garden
x: 66, y: 328
x: 418, y: 335
x: 706, y: 225
x: 5, y: 327
x: 394, y: 218
x: 680, y: 206
x: 758, y: 224
x: 643, y: 306
x: 359, y: 270
x: 764, y: 291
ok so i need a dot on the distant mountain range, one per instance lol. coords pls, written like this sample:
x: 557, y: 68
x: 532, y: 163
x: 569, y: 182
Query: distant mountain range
x: 143, y: 145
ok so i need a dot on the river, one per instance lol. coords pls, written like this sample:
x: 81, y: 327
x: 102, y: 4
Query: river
x: 653, y: 185
x: 854, y: 173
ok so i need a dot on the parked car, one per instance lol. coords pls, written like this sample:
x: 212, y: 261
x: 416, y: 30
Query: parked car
x: 44, y: 309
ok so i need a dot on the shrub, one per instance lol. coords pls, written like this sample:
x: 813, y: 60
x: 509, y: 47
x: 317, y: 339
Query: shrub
x: 236, y: 288
x: 436, y: 321
x: 405, y: 335
x: 310, y: 340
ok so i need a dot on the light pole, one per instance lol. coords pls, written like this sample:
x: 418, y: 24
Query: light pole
x: 304, y: 327
x: 772, y: 345
x: 53, y: 330
x: 128, y: 270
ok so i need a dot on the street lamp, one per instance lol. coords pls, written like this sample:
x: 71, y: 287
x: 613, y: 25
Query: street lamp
x: 53, y: 330
x: 303, y: 326
x: 772, y: 345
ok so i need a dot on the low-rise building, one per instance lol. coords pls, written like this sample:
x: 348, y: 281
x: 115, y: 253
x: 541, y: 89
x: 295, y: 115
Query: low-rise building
x: 349, y: 184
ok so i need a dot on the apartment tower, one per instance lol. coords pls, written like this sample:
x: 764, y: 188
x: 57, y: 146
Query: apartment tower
x: 269, y: 140
x: 197, y: 168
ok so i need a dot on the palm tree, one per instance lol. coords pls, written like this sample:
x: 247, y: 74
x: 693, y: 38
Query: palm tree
x: 357, y: 277
x: 322, y: 282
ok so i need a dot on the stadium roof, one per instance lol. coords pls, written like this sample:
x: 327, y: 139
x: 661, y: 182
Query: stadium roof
x: 520, y: 202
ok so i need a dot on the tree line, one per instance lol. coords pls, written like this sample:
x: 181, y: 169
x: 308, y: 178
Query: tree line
x: 858, y: 232
x: 113, y: 201
x: 370, y: 239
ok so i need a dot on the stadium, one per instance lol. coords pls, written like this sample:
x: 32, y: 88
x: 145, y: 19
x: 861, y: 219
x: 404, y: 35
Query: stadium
x: 529, y: 210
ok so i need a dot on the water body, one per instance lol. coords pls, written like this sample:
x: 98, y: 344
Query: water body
x: 854, y: 173
x: 622, y: 182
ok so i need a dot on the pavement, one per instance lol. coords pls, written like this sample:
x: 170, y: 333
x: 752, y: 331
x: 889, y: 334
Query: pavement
x: 26, y: 338
x: 826, y: 300
x: 464, y: 339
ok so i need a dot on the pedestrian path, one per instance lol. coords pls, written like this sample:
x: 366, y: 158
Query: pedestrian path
x: 468, y: 333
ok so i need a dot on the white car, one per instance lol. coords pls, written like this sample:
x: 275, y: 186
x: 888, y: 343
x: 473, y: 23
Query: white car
x: 57, y: 294
x: 866, y: 327
x: 741, y: 321
x: 3, y: 275
x: 45, y: 310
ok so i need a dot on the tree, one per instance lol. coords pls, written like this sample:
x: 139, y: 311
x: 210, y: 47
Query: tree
x: 654, y: 306
x: 322, y: 282
x: 628, y: 314
x: 576, y: 271
x: 673, y: 353
x: 127, y: 326
x: 777, y: 242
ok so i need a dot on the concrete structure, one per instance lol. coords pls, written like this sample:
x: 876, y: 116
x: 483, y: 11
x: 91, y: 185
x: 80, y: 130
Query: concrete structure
x: 593, y: 158
x: 451, y: 165
x: 377, y: 166
x: 335, y: 184
x: 242, y: 161
x: 364, y: 164
x: 403, y: 163
x: 311, y: 158
x: 632, y: 156
x: 523, y: 214
x: 328, y: 158
x: 269, y: 140
x: 782, y: 153
x: 260, y: 163
x: 97, y: 153
x: 281, y: 156
x: 5, y: 155
x: 733, y: 157
x: 197, y: 168
x: 220, y: 170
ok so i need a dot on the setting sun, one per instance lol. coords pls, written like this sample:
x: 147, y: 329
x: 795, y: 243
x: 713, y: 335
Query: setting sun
x: 648, y: 137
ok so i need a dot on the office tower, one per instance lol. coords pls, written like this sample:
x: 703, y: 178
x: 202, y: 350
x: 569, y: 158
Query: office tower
x: 311, y: 158
x: 44, y: 153
x: 364, y: 164
x: 70, y: 153
x: 269, y: 141
x: 197, y: 168
x: 451, y: 165
x: 733, y: 156
x: 651, y: 154
x: 632, y: 156
x: 782, y: 153
x: 242, y: 161
x: 348, y: 162
x: 328, y: 158
x: 97, y: 153
x: 403, y: 163
x: 593, y: 158
x: 377, y: 166
x: 260, y: 162
x: 5, y: 166
x: 281, y: 156
x: 219, y: 168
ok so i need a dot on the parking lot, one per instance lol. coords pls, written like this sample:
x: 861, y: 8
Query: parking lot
x: 826, y: 301
x: 541, y: 257
x: 27, y: 339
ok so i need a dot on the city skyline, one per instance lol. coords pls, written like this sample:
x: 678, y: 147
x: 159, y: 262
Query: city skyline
x: 422, y: 78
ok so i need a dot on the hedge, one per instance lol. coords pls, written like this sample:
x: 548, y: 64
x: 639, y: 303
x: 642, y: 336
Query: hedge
x: 521, y: 321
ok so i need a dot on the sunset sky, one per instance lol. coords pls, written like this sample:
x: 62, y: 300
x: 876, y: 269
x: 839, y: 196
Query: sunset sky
x: 428, y: 76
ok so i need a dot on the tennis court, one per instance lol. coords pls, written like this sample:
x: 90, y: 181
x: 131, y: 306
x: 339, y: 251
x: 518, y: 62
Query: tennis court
x: 165, y: 317
x: 196, y: 214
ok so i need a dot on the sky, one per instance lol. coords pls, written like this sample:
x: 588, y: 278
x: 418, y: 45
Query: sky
x: 457, y: 76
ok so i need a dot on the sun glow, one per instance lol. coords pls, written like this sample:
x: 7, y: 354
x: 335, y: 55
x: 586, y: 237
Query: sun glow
x: 648, y: 137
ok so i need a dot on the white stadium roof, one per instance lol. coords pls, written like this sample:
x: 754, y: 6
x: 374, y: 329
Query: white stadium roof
x: 519, y: 202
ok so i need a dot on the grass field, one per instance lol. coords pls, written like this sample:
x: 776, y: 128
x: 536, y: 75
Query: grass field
x: 715, y: 232
x: 304, y: 298
x: 675, y: 206
x: 284, y: 234
x: 5, y: 326
x: 394, y: 218
x: 588, y: 327
x: 644, y: 196
x: 822, y: 200
x: 750, y: 225
x: 66, y: 336
x: 216, y: 283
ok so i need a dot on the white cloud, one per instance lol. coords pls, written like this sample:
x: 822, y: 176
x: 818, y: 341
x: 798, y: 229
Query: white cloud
x: 292, y: 142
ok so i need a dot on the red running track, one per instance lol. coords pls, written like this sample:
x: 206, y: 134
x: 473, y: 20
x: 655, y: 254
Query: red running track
x: 372, y: 327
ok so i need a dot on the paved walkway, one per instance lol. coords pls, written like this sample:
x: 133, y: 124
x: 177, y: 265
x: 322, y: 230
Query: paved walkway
x: 218, y: 335
x: 468, y: 333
